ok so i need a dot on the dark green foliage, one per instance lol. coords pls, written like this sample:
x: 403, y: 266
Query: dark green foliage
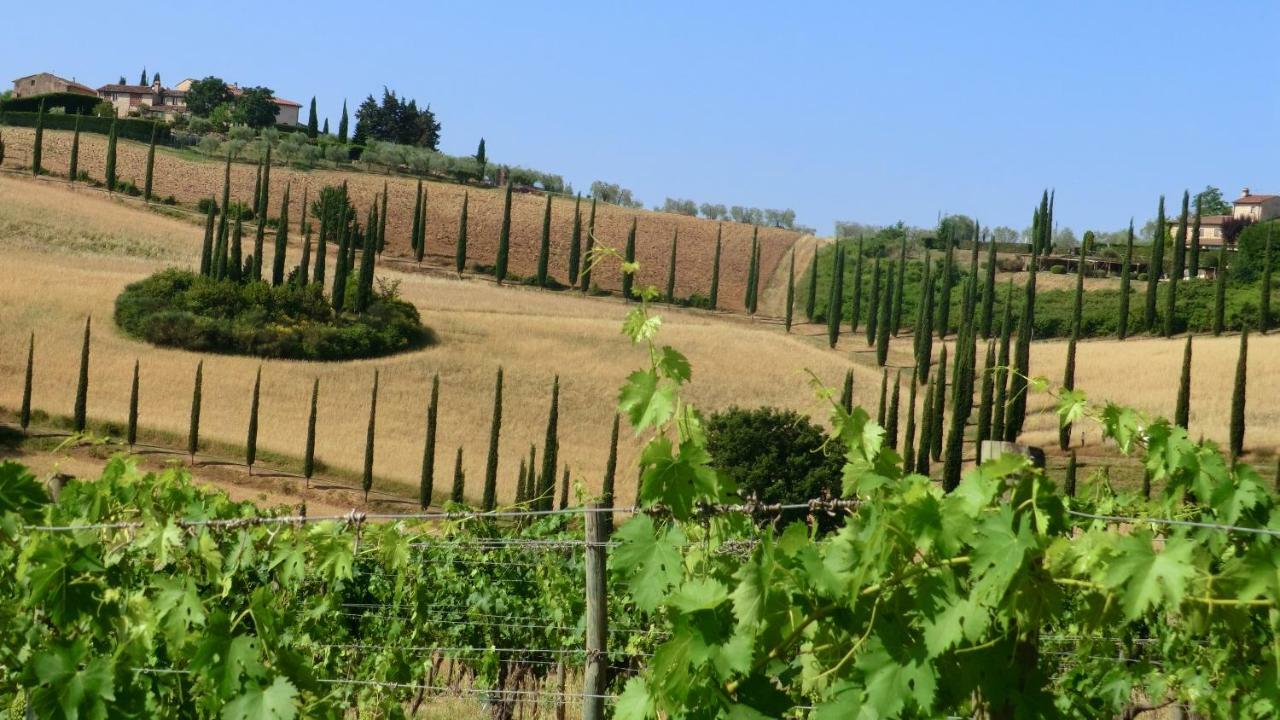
x: 131, y: 433
x: 490, y: 499
x: 1000, y: 405
x: 309, y: 452
x: 774, y: 456
x: 37, y: 148
x: 899, y: 285
x: 856, y: 310
x: 791, y: 292
x: 264, y: 202
x: 811, y: 298
x: 457, y: 493
x: 924, y: 322
x: 1069, y: 486
x: 69, y: 103
x: 1238, y: 397
x: 1017, y: 412
x: 939, y: 407
x: 886, y: 319
x: 610, y: 473
x: 846, y: 392
x: 550, y: 451
x: 884, y: 397
x: 891, y: 416
x: 236, y: 265
x: 753, y: 273
x: 1154, y: 270
x: 151, y: 167
x: 873, y: 313
x: 575, y: 242
x: 364, y: 281
x: 415, y: 228
x: 671, y: 267
x: 342, y: 265
x: 193, y: 427
x: 1193, y: 253
x: 82, y: 384
x: 251, y: 439
x: 427, y: 479
x: 926, y: 429
x: 629, y: 257
x: 366, y: 476
x: 1175, y: 274
x: 1122, y: 322
x: 206, y: 249
x: 1220, y: 294
x: 564, y: 489
x: 1264, y: 302
x: 178, y: 308
x: 460, y: 249
x: 24, y: 414
x: 522, y: 482
x: 909, y: 439
x: 1069, y: 383
x: 257, y: 192
x: 944, y: 296
x: 987, y: 396
x: 342, y: 138
x: 544, y: 244
x: 382, y: 220
x: 588, y: 255
x: 952, y: 457
x: 109, y: 173
x: 504, y: 240
x: 303, y: 269
x: 73, y: 169
x: 129, y: 128
x: 313, y: 122
x: 989, y: 293
x: 282, y: 242
x: 834, y: 302
x: 1182, y: 411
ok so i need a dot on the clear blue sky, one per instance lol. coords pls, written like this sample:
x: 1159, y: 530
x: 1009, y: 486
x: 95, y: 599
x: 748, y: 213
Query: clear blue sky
x: 869, y: 112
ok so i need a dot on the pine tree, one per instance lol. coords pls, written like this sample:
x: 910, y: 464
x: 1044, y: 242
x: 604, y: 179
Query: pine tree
x: 427, y: 479
x: 891, y: 417
x: 206, y: 249
x: 460, y: 251
x: 151, y: 165
x: 313, y: 121
x: 82, y: 385
x: 366, y: 478
x: 110, y: 172
x: 671, y: 267
x: 544, y: 245
x: 588, y: 255
x: 1071, y: 475
x: 791, y: 292
x: 909, y: 440
x: 882, y: 408
x: 1220, y: 295
x: 629, y: 257
x: 836, y: 297
x: 1264, y: 303
x: 37, y: 149
x: 131, y: 433
x: 856, y: 312
x: 24, y: 415
x: 873, y: 312
x: 456, y: 494
x: 1193, y: 263
x: 236, y: 266
x: 550, y: 451
x: 73, y: 169
x: 1175, y: 275
x: 1155, y: 269
x: 504, y: 241
x: 251, y: 441
x: 846, y: 392
x: 926, y: 429
x: 193, y: 429
x: 899, y: 287
x: 575, y: 242
x: 490, y: 499
x: 1122, y: 317
x: 282, y: 242
x: 811, y: 299
x: 939, y: 407
x: 610, y: 471
x: 987, y: 397
x: 1182, y: 412
x: 989, y: 292
x: 309, y: 454
x: 342, y: 138
x: 1238, y: 397
x: 886, y: 318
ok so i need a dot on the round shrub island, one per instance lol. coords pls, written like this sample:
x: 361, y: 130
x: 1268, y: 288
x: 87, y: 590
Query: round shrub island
x: 180, y: 308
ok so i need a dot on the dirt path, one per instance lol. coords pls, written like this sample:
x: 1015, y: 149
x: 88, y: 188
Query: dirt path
x: 773, y: 297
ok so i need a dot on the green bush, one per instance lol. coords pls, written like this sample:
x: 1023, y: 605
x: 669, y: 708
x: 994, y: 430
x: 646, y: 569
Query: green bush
x: 69, y: 102
x: 180, y: 308
x: 1058, y: 270
x: 206, y: 204
x: 130, y: 128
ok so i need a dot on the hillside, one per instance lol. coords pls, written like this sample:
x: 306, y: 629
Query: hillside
x: 189, y: 178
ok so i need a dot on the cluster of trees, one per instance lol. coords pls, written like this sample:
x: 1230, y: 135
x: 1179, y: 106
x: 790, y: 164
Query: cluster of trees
x: 395, y: 121
x: 211, y: 98
x: 614, y: 194
x: 737, y: 213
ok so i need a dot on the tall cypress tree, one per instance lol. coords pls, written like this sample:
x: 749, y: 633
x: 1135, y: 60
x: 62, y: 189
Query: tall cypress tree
x: 922, y: 335
x: 1175, y: 274
x: 504, y: 242
x: 490, y: 499
x: 382, y: 219
x: 1017, y: 412
x: 939, y: 407
x: 251, y: 440
x: 109, y: 173
x: 610, y: 471
x: 575, y: 242
x: 1238, y: 397
x: 791, y: 291
x: 415, y: 228
x: 1122, y: 317
x: 952, y: 458
x: 1154, y: 270
x: 313, y: 121
x: 282, y: 242
x: 131, y: 434
x: 588, y: 255
x: 37, y: 149
x: 264, y: 204
x: 257, y: 191
x: 948, y: 279
x: 457, y: 493
x: 206, y: 248
x: 564, y: 489
x: 926, y: 429
x: 550, y: 451
x: 235, y: 267
x: 671, y: 267
x: 544, y: 245
x: 366, y: 478
x: 715, y: 271
x: 811, y: 298
x: 82, y: 384
x: 1071, y: 475
x: 522, y: 482
x: 883, y: 325
x: 856, y: 314
x: 891, y: 417
x: 24, y: 415
x: 1002, y: 370
x: 873, y: 312
x: 1182, y: 412
x: 1193, y: 262
x: 368, y: 258
x: 753, y: 275
x: 309, y: 452
x: 881, y: 408
x: 1069, y: 383
x: 1077, y: 304
x: 151, y: 165
x: 846, y: 392
x: 73, y: 169
x: 629, y: 256
x: 193, y: 427
x: 909, y: 439
x: 219, y: 270
x: 342, y: 138
x: 460, y: 249
x: 989, y: 292
x: 1220, y: 294
x: 987, y: 396
x: 899, y: 289
x: 835, y: 297
x: 427, y: 479
x: 1264, y: 304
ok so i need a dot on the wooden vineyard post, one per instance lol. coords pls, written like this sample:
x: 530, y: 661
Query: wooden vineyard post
x: 594, y: 677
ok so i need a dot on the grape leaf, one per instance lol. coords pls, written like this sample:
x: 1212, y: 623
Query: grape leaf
x: 275, y: 702
x: 67, y: 690
x: 20, y: 492
x: 699, y: 594
x: 646, y: 402
x: 649, y: 559
x: 635, y: 702
x: 178, y: 607
x: 1145, y: 576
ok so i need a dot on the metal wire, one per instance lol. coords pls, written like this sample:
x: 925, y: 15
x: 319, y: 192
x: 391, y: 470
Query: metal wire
x: 1175, y: 522
x: 472, y: 691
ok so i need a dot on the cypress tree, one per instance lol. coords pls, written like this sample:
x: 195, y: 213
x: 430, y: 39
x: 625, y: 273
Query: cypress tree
x: 671, y: 267
x: 309, y: 454
x: 989, y: 292
x: 73, y: 170
x: 1071, y: 475
x: 24, y: 415
x: 544, y: 245
x: 382, y: 219
x: 550, y: 451
x: 220, y: 249
x: 504, y: 242
x: 151, y: 166
x: 257, y: 191
x: 750, y: 284
x: 886, y: 318
x: 835, y: 299
x: 342, y: 138
x: 460, y: 251
x: 755, y: 275
x: 415, y: 228
x: 630, y: 258
x: 259, y: 239
x: 456, y: 495
x: 564, y: 489
x: 206, y: 248
x: 313, y: 122
x: 909, y: 440
x: 884, y: 397
x: 791, y: 291
x: 939, y: 407
x: 1193, y: 263
x: 427, y: 479
x: 251, y: 441
x: 588, y: 256
x: 1077, y: 305
x: 1068, y: 382
x: 891, y: 417
x: 422, y: 224
x: 873, y: 312
x: 899, y: 287
x: 264, y: 203
x: 338, y: 295
x: 846, y: 392
x: 532, y: 483
x: 236, y: 266
x: 522, y: 493
x: 304, y: 265
x: 923, y: 336
x: 987, y: 396
x: 1220, y: 294
x: 610, y: 471
x: 1002, y: 371
x: 926, y: 429
x: 953, y: 455
x: 322, y: 247
x: 490, y: 499
x: 1122, y: 321
x: 971, y: 282
x: 37, y: 149
x: 368, y: 258
x: 131, y: 434
x: 193, y: 429
x: 1264, y: 304
x: 811, y: 299
x: 1155, y: 269
x: 1238, y: 397
x: 1017, y: 412
x: 282, y: 242
x: 857, y: 289
x: 366, y: 478
x: 82, y: 385
x: 948, y: 279
x: 575, y: 242
x: 1182, y: 412
x: 1175, y: 275
x: 109, y: 173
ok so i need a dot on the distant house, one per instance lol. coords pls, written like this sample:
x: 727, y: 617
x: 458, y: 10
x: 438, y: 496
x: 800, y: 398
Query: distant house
x: 1219, y: 231
x: 145, y: 100
x: 288, y: 109
x: 1256, y: 208
x: 45, y: 83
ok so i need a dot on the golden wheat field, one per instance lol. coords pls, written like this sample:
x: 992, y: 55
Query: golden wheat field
x: 69, y: 251
x: 189, y: 178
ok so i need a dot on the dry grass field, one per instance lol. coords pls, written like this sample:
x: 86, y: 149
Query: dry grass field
x: 69, y: 251
x: 191, y: 179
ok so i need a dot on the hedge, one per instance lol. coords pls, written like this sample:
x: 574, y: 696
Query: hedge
x: 72, y: 103
x: 131, y: 128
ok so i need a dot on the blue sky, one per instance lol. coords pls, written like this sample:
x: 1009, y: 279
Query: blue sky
x: 869, y: 112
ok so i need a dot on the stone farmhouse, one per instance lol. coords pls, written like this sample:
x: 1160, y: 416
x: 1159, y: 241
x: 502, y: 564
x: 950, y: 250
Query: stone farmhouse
x: 1218, y: 231
x: 44, y: 83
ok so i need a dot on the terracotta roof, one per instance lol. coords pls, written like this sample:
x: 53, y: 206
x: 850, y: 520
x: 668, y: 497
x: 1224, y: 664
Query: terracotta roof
x: 286, y: 103
x: 116, y: 87
x: 1213, y: 219
x: 1255, y: 199
x: 72, y: 85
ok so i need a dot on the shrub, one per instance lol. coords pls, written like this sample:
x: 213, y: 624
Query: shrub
x: 180, y: 308
x: 1058, y: 270
x: 169, y: 200
x: 130, y: 128
x: 68, y: 102
x: 205, y: 204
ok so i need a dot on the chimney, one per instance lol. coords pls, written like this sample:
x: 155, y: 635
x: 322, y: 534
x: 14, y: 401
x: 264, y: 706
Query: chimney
x: 1244, y: 193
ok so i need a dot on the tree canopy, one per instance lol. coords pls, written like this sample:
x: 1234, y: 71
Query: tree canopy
x: 1211, y: 201
x: 257, y: 107
x: 205, y: 95
x: 394, y: 120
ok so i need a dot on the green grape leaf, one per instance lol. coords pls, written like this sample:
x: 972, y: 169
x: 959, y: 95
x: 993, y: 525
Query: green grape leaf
x: 178, y: 607
x: 65, y: 689
x: 1122, y: 424
x: 699, y: 594
x: 274, y: 702
x: 891, y: 682
x: 641, y: 327
x: 674, y: 365
x: 21, y: 492
x: 635, y: 703
x: 1071, y: 406
x: 58, y: 584
x: 646, y: 401
x: 649, y: 558
x: 1145, y: 576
